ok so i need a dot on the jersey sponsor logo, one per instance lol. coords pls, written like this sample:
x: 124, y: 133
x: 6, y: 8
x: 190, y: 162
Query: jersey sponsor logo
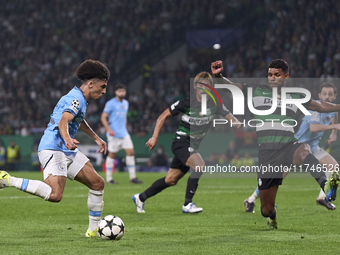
x: 197, y: 121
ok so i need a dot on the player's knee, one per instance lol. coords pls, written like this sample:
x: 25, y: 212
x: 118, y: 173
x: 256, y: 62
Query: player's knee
x: 99, y: 184
x: 171, y: 181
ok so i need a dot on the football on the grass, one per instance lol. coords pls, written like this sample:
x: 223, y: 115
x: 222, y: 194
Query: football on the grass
x: 111, y: 228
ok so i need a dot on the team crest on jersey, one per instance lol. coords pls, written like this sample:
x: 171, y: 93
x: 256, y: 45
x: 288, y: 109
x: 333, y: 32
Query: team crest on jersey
x: 62, y: 167
x: 327, y: 119
x: 315, y: 116
x: 74, y: 105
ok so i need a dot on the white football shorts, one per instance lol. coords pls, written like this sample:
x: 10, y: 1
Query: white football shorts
x: 320, y: 153
x: 116, y: 144
x: 58, y: 163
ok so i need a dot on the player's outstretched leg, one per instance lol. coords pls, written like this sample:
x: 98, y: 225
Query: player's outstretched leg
x: 34, y: 187
x: 331, y: 186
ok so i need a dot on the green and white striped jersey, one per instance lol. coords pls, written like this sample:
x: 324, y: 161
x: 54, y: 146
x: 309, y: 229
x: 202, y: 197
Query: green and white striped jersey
x: 193, y: 125
x: 275, y: 130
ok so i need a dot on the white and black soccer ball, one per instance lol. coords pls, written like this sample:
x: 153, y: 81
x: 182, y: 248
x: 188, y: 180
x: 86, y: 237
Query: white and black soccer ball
x: 111, y: 228
x: 75, y: 103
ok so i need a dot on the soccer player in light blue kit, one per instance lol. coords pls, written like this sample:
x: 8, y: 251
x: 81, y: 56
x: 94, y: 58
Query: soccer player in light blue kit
x: 58, y: 152
x: 114, y: 121
x: 310, y: 131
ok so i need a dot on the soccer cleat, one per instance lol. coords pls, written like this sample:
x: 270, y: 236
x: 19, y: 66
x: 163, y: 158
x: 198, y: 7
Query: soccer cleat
x: 331, y: 186
x: 91, y: 234
x: 4, y: 179
x: 249, y: 205
x: 136, y: 181
x: 139, y: 204
x: 191, y: 208
x: 324, y: 202
x: 112, y: 182
x: 272, y: 224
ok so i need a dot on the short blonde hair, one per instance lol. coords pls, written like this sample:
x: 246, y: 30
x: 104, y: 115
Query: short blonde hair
x: 204, y: 76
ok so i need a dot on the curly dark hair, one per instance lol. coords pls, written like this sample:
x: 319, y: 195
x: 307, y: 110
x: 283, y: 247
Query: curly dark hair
x: 279, y: 64
x: 92, y: 69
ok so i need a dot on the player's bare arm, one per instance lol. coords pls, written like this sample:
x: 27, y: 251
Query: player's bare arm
x: 323, y: 106
x: 216, y: 70
x: 84, y: 126
x: 333, y: 136
x: 65, y: 119
x: 313, y: 128
x: 104, y: 119
x: 159, y: 124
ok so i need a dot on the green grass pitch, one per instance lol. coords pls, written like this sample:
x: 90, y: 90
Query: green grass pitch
x: 30, y: 225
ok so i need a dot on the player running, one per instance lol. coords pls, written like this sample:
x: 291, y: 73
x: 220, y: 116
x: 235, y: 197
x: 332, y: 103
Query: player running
x: 114, y: 120
x: 310, y: 131
x: 277, y: 145
x: 58, y: 152
x: 193, y: 127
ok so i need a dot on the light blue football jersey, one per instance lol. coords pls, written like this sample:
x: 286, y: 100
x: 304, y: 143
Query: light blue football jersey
x: 305, y: 136
x: 75, y: 103
x: 117, y: 112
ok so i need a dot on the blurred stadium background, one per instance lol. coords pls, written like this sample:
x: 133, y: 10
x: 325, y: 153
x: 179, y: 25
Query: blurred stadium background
x: 154, y: 47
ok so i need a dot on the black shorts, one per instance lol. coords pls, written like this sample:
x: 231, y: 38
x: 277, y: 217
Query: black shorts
x: 181, y: 151
x: 273, y: 163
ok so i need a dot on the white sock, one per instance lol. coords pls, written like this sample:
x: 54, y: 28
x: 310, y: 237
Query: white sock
x: 34, y: 187
x: 254, y: 196
x: 322, y: 194
x: 109, y: 165
x: 130, y: 163
x: 95, y: 205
